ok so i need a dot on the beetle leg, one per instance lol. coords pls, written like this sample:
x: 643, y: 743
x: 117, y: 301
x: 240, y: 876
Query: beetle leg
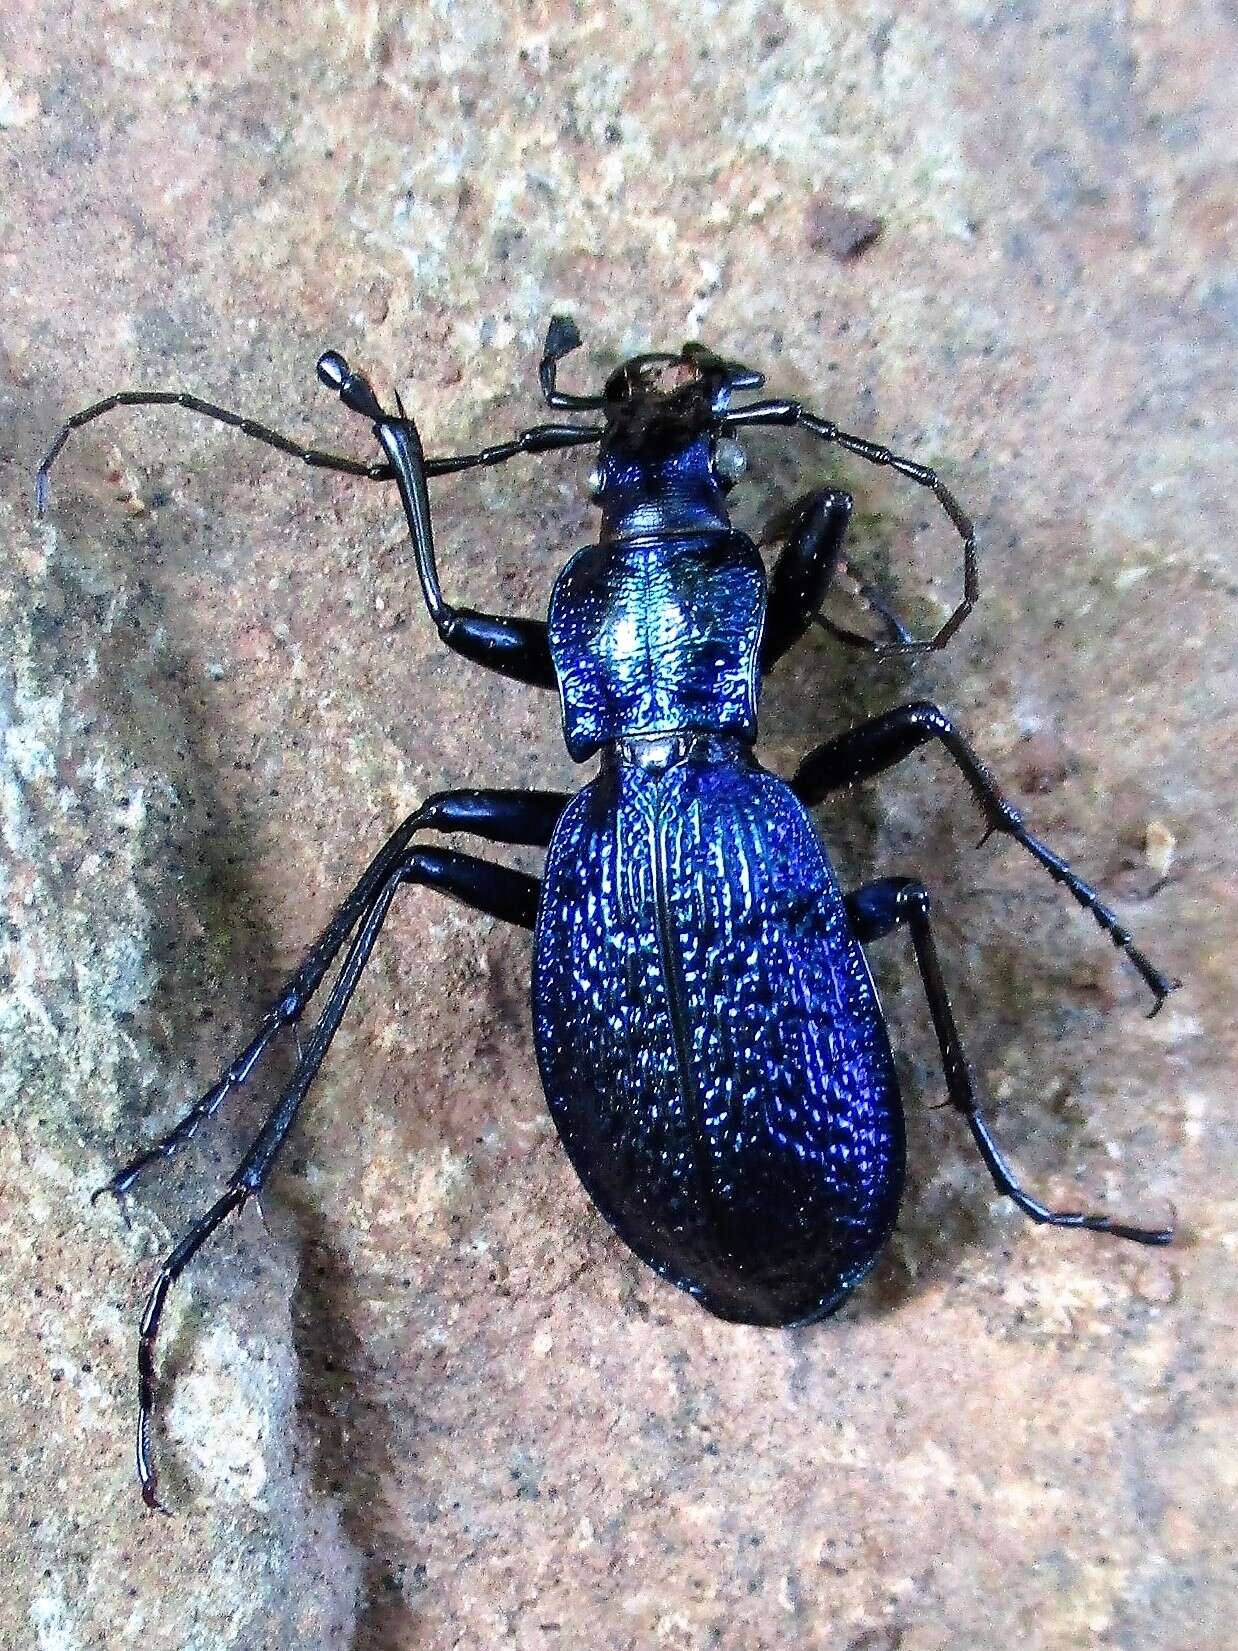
x: 876, y: 910
x: 513, y: 646
x: 877, y: 745
x: 812, y: 533
x: 791, y: 412
x: 880, y: 607
x: 497, y: 890
x: 500, y: 816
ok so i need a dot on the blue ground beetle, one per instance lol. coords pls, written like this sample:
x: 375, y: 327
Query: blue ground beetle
x: 709, y: 1038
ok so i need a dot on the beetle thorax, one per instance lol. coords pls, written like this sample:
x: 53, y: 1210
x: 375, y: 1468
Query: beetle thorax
x: 648, y: 487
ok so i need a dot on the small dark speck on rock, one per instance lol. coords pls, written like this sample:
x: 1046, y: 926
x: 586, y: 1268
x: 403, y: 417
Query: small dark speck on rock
x: 878, y: 1639
x: 842, y: 231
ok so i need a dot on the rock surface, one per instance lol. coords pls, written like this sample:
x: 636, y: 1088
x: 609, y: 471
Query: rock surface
x: 435, y: 1404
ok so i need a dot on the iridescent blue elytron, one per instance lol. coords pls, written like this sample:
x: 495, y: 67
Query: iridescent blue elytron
x: 710, y: 1041
x: 709, y: 1038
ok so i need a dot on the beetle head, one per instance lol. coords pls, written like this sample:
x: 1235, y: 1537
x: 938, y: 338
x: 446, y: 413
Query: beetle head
x: 665, y: 460
x: 658, y: 384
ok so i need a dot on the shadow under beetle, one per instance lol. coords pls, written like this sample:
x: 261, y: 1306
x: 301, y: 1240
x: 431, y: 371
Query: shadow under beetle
x: 709, y: 1038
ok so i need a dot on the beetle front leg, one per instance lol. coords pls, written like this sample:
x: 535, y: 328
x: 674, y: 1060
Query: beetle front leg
x: 877, y: 910
x: 812, y: 534
x: 875, y: 746
x: 516, y: 817
x: 513, y: 646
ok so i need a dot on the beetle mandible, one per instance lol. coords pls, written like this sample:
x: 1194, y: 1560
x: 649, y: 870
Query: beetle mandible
x: 709, y: 1038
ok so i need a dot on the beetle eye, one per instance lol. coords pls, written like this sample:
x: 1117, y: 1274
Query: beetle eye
x: 730, y: 461
x: 595, y: 481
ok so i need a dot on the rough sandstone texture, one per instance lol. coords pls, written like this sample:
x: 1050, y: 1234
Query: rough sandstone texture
x: 434, y: 1403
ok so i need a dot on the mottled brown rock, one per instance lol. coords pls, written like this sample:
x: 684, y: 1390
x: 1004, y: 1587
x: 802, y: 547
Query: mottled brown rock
x: 842, y: 231
x: 434, y: 1403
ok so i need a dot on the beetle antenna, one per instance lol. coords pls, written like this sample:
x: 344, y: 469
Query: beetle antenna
x: 793, y: 413
x: 205, y: 409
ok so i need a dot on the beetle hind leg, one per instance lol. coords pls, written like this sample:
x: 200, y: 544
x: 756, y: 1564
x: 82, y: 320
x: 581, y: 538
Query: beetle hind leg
x: 876, y: 910
x: 499, y: 891
x: 526, y: 817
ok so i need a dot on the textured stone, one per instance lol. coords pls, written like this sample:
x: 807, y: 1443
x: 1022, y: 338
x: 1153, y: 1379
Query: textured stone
x: 842, y: 231
x: 437, y: 1404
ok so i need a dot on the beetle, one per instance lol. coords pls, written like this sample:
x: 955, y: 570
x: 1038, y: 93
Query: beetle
x: 709, y: 1038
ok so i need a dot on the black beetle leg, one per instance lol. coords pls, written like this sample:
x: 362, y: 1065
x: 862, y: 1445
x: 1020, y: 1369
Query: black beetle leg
x: 812, y: 531
x: 497, y: 890
x: 875, y: 746
x: 513, y: 646
x: 894, y: 625
x: 500, y: 816
x: 792, y: 413
x: 878, y: 909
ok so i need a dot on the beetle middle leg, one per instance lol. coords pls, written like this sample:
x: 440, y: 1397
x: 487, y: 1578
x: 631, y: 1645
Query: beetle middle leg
x: 874, y: 746
x: 876, y: 910
x: 500, y: 892
x: 516, y: 817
